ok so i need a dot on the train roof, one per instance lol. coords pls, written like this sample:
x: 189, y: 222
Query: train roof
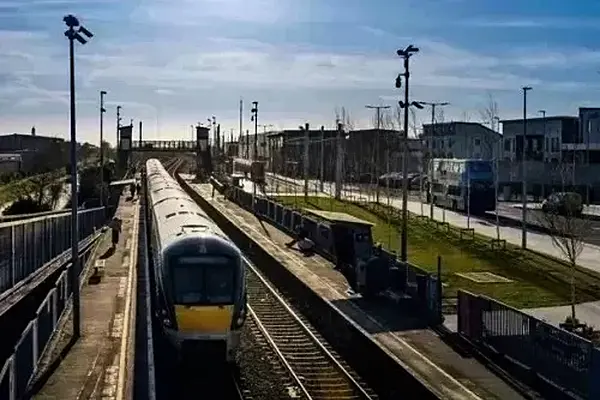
x: 340, y: 217
x: 176, y: 212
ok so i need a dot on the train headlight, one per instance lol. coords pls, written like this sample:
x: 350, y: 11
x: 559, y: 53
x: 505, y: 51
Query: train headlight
x: 167, y: 323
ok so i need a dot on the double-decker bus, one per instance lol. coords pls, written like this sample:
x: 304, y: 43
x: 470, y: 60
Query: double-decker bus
x: 464, y: 184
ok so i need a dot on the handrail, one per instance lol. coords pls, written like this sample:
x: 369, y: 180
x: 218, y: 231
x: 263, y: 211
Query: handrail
x: 26, y: 246
x: 21, y: 367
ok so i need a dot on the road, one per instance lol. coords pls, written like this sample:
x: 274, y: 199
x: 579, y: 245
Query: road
x: 534, y: 217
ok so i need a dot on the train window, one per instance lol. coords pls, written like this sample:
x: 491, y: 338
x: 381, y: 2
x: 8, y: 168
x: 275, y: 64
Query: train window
x: 204, y: 280
x: 171, y: 215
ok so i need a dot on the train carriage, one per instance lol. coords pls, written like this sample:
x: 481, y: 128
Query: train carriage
x: 199, y: 272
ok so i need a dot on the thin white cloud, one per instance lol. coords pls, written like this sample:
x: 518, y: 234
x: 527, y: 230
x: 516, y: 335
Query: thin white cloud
x: 533, y: 23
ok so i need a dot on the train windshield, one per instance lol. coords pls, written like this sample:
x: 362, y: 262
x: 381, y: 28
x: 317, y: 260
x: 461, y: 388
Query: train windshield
x: 204, y: 280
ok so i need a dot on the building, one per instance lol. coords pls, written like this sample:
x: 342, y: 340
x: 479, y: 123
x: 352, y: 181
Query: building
x: 37, y: 152
x: 366, y: 152
x: 246, y: 146
x: 547, y: 139
x: 460, y: 140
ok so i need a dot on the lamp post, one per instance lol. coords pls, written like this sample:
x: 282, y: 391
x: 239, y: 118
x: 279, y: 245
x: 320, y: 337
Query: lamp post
x: 102, y: 111
x: 497, y: 176
x: 254, y: 112
x: 547, y: 146
x: 524, y: 173
x: 433, y: 105
x: 118, y: 125
x: 405, y: 55
x: 73, y: 33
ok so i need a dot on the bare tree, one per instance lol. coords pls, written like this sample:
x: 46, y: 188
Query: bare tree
x: 568, y: 229
x: 489, y: 112
x: 412, y: 123
x: 466, y: 116
x: 343, y: 116
x: 440, y: 117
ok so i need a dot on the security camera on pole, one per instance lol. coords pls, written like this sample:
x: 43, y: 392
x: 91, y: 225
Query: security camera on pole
x: 405, y: 54
x: 73, y: 33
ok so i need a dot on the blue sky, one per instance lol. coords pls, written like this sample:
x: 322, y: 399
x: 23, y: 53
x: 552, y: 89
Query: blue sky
x: 172, y: 63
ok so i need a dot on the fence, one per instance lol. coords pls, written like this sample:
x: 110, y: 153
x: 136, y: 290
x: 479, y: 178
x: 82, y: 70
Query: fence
x: 553, y: 353
x: 26, y: 246
x: 419, y: 284
x: 22, y: 365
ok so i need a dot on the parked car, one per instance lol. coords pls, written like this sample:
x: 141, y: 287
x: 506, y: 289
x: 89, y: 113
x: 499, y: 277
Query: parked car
x: 563, y: 203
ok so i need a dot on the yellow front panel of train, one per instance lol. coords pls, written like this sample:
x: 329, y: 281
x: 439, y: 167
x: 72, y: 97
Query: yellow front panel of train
x: 205, y: 319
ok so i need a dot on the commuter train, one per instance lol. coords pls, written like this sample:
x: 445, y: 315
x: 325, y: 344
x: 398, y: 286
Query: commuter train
x: 199, y: 273
x: 255, y: 169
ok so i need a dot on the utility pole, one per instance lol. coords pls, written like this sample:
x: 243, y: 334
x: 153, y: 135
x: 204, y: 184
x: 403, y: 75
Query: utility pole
x: 118, y: 126
x: 240, y: 142
x: 405, y: 54
x: 306, y: 161
x: 546, y: 144
x: 338, y: 162
x: 433, y: 105
x: 377, y: 144
x: 102, y: 111
x: 254, y: 118
x: 322, y: 158
x: 254, y: 112
x: 524, y: 173
x: 74, y: 34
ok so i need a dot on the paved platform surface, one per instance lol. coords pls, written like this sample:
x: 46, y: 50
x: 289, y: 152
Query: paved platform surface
x: 100, y: 363
x: 419, y: 349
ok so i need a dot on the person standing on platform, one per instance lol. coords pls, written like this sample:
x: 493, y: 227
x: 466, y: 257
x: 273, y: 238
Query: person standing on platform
x: 115, y: 226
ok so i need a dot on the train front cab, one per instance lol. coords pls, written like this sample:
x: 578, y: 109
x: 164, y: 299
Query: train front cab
x: 203, y: 285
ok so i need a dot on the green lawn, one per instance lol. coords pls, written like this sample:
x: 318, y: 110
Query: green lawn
x: 536, y: 281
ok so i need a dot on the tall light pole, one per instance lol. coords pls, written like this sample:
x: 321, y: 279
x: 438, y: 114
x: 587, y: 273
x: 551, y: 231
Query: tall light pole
x: 73, y: 33
x: 543, y: 112
x: 524, y: 173
x: 102, y: 111
x: 118, y: 124
x: 378, y: 145
x: 405, y: 55
x: 254, y: 112
x: 433, y: 105
x: 497, y: 175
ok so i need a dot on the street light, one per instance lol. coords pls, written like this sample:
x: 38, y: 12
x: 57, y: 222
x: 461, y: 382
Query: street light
x: 102, y: 111
x: 547, y: 146
x: 254, y: 112
x: 524, y: 173
x: 74, y: 34
x: 433, y: 105
x: 405, y: 55
x: 118, y: 125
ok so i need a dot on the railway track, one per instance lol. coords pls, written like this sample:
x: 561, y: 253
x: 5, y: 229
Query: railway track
x: 313, y: 369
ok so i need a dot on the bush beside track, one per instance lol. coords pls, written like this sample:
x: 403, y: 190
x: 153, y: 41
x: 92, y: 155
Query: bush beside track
x: 390, y: 380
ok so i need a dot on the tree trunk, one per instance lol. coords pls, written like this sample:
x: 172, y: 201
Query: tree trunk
x: 573, y: 290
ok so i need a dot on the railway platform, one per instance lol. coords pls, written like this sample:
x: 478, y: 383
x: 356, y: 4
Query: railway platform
x: 417, y: 348
x: 98, y: 365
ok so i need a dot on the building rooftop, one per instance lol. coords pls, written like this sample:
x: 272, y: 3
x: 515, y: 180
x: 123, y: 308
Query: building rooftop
x: 550, y: 118
x: 29, y: 135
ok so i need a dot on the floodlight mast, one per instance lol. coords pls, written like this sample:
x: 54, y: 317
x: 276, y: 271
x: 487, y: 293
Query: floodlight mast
x: 74, y: 34
x: 405, y: 55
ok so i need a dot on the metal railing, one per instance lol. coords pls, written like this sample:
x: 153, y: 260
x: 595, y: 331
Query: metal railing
x: 22, y: 217
x: 27, y: 246
x: 558, y: 356
x: 19, y: 369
